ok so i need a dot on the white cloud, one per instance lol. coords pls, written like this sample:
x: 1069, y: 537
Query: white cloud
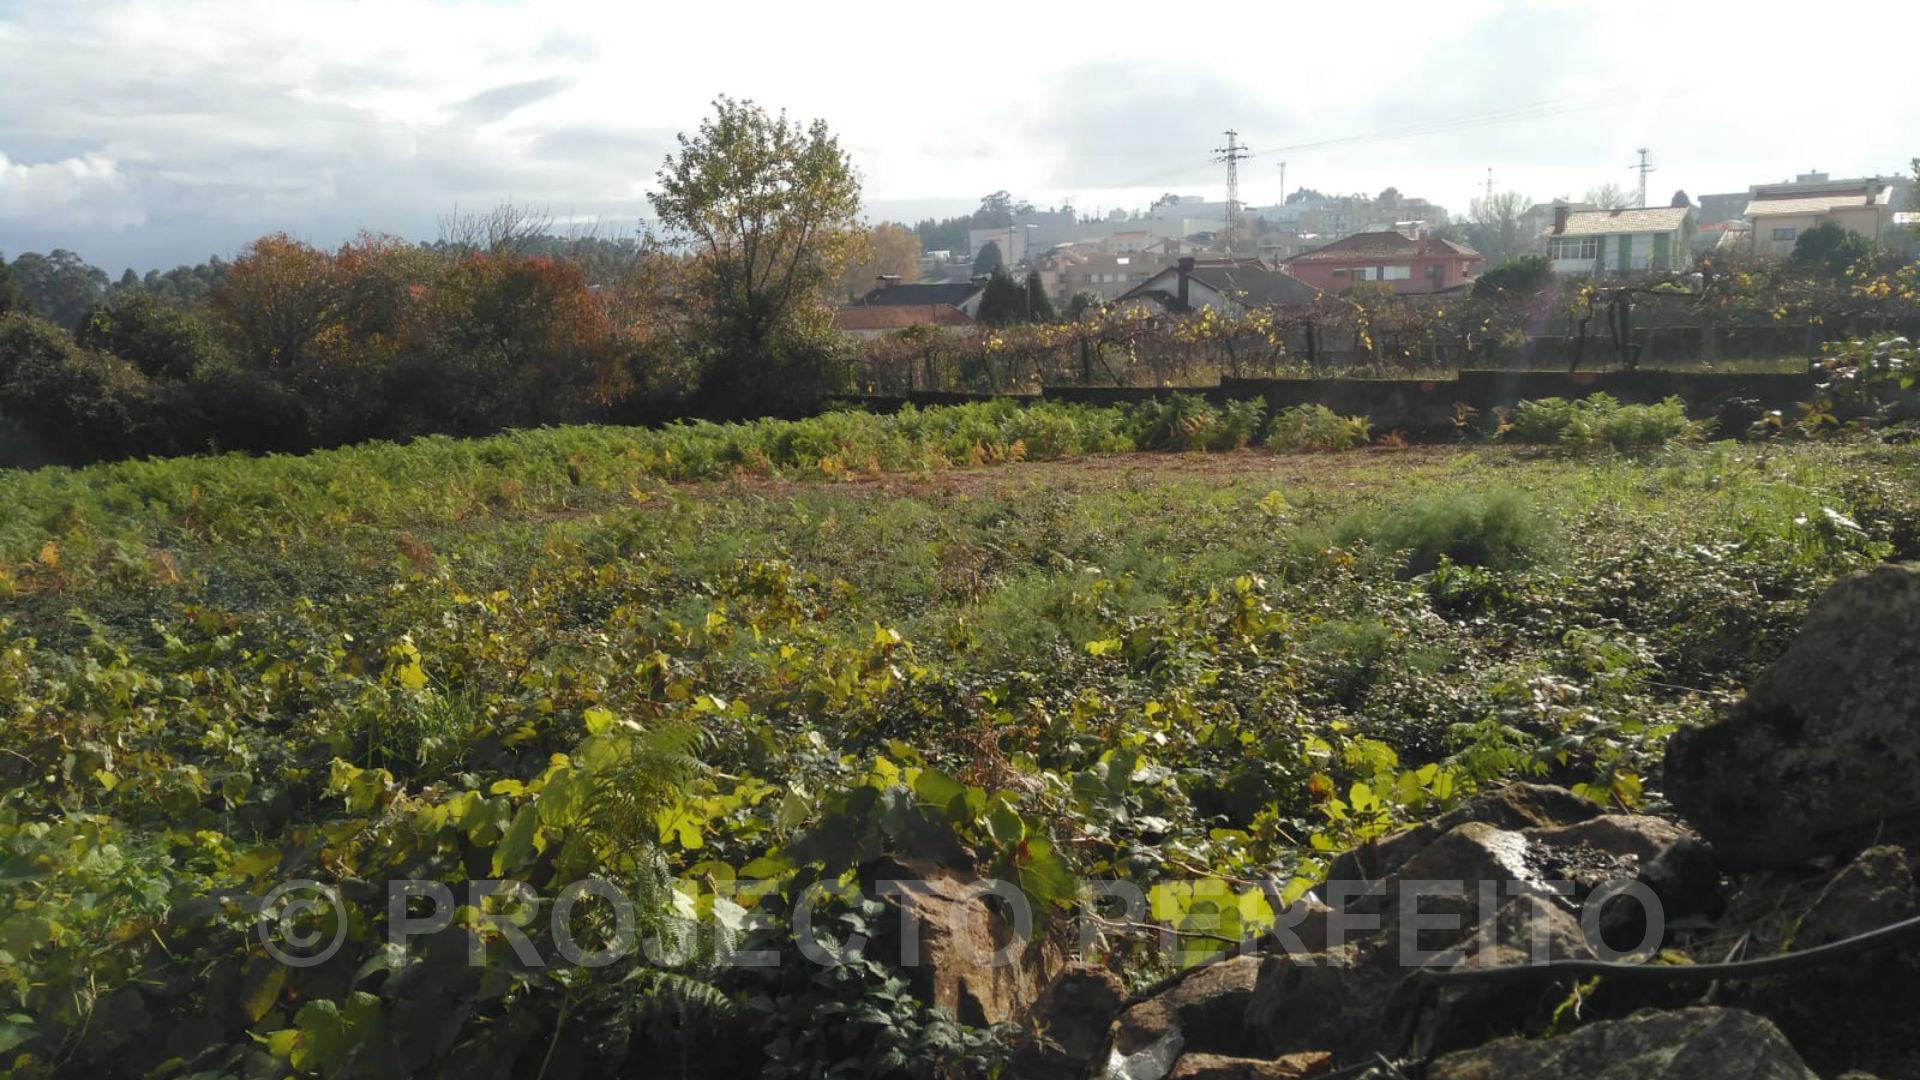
x: 146, y: 131
x: 90, y: 191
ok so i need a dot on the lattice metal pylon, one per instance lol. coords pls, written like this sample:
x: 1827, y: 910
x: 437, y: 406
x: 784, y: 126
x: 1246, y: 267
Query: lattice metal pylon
x: 1233, y: 154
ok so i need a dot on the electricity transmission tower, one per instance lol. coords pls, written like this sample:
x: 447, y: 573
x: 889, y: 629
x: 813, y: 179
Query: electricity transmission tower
x: 1233, y: 154
x: 1643, y: 169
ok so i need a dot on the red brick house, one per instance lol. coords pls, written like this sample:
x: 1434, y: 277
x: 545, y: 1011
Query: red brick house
x: 1409, y: 264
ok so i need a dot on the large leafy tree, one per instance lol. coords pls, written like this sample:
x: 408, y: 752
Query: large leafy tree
x: 60, y: 285
x: 518, y: 340
x: 161, y: 341
x: 888, y: 250
x: 768, y: 207
x: 10, y: 298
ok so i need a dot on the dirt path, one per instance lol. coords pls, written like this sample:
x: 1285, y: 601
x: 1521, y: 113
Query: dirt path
x: 1107, y: 471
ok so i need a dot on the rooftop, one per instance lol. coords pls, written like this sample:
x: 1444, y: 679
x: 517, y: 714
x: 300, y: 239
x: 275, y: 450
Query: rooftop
x: 1646, y: 219
x: 1384, y: 244
x: 1797, y: 199
x: 951, y: 294
x: 1249, y: 281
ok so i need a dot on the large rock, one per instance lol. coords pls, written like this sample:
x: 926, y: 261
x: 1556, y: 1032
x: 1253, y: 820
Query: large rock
x: 1512, y: 806
x: 1823, y: 755
x: 1354, y: 1002
x: 1217, y: 1067
x: 1876, y: 889
x: 1685, y: 1044
x: 961, y: 940
x: 1493, y: 883
x: 1068, y: 1027
x: 1201, y: 1013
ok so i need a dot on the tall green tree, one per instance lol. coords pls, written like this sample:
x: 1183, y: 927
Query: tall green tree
x: 1004, y: 302
x: 60, y: 285
x: 768, y: 207
x: 10, y: 298
x: 989, y: 259
x: 1039, y: 304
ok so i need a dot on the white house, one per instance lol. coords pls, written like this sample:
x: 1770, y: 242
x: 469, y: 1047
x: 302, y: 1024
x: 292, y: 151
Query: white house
x: 1603, y: 242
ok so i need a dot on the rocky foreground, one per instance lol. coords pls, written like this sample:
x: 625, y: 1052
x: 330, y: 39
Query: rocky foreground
x: 1489, y: 942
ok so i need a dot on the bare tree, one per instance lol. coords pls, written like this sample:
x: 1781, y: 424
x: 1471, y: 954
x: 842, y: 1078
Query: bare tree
x: 1609, y: 197
x: 505, y: 228
x: 1495, y: 231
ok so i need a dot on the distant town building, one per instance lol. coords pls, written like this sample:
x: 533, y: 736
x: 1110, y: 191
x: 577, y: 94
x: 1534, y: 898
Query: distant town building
x: 1044, y: 229
x: 1723, y: 207
x: 1779, y: 213
x: 1623, y: 241
x: 1105, y: 275
x: 1012, y: 240
x: 1351, y: 215
x: 1408, y: 264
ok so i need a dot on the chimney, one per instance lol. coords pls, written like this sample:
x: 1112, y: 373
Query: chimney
x: 884, y: 280
x: 1560, y: 211
x: 1186, y: 267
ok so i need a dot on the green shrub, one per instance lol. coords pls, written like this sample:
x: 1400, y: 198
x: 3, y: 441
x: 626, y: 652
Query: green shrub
x: 163, y: 342
x: 1239, y: 423
x: 1524, y: 276
x: 1500, y: 530
x: 76, y: 403
x: 1541, y: 421
x: 1315, y: 427
x: 1181, y: 422
x: 1600, y: 422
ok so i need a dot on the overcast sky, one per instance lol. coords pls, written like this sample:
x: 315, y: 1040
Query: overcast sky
x: 147, y: 134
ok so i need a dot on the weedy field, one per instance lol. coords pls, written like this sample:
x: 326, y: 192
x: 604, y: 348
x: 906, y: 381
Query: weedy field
x: 718, y: 665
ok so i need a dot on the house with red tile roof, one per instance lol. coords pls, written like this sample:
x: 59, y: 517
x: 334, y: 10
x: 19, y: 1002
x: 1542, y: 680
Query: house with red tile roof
x: 1407, y: 264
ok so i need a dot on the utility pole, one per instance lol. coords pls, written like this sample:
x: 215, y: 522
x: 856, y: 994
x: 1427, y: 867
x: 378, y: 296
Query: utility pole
x: 1489, y: 185
x: 1643, y: 169
x: 1233, y: 154
x: 1283, y: 183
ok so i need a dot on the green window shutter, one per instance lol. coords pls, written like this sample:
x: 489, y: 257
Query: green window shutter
x: 1661, y: 243
x: 1625, y: 244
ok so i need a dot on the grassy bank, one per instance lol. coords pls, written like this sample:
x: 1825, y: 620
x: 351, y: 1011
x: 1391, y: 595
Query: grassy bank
x: 770, y: 651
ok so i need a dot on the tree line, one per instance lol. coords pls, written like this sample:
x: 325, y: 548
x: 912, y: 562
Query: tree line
x: 724, y: 312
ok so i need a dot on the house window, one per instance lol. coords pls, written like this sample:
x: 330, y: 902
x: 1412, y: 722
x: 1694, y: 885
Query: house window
x: 1785, y: 233
x: 1584, y: 248
x: 1339, y: 273
x: 1395, y: 273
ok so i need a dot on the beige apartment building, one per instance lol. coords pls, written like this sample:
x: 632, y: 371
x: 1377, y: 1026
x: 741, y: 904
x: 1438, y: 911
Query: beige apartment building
x: 1779, y: 213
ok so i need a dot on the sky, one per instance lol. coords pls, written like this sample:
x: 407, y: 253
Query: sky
x: 148, y: 134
